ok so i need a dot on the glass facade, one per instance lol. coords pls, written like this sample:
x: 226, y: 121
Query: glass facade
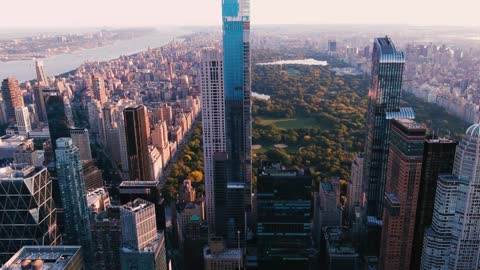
x: 237, y: 92
x: 284, y: 221
x: 384, y: 98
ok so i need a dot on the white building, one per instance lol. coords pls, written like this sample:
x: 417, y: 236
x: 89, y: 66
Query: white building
x: 22, y: 116
x: 213, y: 119
x: 453, y: 240
x: 355, y: 196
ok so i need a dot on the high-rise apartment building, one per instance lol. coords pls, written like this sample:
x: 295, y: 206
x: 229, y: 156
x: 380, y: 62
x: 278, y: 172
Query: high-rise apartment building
x: 283, y: 219
x: 41, y: 77
x: 81, y: 140
x: 143, y: 247
x: 73, y: 195
x: 384, y: 98
x: 237, y: 92
x: 136, y: 130
x: 213, y: 120
x: 438, y: 157
x: 99, y: 91
x: 27, y: 211
x: 12, y: 98
x: 453, y: 240
x: 401, y: 193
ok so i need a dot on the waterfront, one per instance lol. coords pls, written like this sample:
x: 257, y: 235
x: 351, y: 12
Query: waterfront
x: 25, y: 70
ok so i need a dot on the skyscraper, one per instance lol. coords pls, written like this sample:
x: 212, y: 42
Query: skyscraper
x: 81, y: 140
x: 401, y: 193
x: 438, y: 157
x: 73, y: 195
x: 27, y: 211
x: 41, y: 77
x: 47, y: 257
x: 106, y: 239
x: 12, y: 97
x: 40, y: 102
x: 453, y: 240
x: 59, y: 123
x: 237, y: 92
x: 136, y: 131
x: 384, y: 98
x: 213, y: 120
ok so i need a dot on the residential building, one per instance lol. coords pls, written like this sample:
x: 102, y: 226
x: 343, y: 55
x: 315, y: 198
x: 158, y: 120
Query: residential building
x: 401, y: 193
x: 81, y: 140
x: 384, y: 97
x: 73, y: 195
x: 12, y: 98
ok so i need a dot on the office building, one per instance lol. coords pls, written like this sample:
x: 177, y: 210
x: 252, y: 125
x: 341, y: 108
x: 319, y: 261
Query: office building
x: 59, y: 123
x: 453, y: 240
x: 27, y: 211
x: 98, y: 200
x: 41, y: 77
x: 438, y: 158
x: 137, y: 134
x: 107, y: 239
x: 213, y: 120
x: 22, y: 116
x: 401, y: 193
x: 73, y: 195
x: 46, y: 257
x: 283, y: 219
x: 143, y: 247
x: 99, y: 91
x: 339, y: 253
x: 40, y: 102
x: 217, y: 257
x: 384, y: 98
x: 82, y: 142
x: 150, y: 191
x: 327, y: 208
x: 12, y: 98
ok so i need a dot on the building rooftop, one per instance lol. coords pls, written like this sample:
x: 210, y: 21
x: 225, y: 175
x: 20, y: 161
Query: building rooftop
x: 126, y: 184
x: 227, y: 254
x: 339, y: 241
x: 410, y: 124
x: 94, y: 195
x: 18, y: 172
x: 137, y: 205
x: 52, y: 257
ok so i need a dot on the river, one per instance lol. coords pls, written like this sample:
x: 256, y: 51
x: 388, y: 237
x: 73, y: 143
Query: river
x: 24, y: 70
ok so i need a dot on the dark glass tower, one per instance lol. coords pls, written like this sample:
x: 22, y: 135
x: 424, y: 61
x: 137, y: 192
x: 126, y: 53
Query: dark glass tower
x: 384, y: 103
x: 58, y: 122
x: 237, y: 91
x: 284, y: 220
x: 438, y: 158
x: 136, y: 131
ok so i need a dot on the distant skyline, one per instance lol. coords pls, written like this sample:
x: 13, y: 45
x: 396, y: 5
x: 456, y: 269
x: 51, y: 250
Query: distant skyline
x: 95, y: 13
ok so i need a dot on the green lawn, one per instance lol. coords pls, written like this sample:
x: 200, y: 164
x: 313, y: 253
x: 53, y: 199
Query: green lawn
x: 290, y: 123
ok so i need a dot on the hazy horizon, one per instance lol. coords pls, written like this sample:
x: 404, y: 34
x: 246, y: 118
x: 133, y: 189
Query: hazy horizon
x: 156, y: 13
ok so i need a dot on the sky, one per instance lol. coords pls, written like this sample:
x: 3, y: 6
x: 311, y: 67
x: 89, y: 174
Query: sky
x: 124, y: 13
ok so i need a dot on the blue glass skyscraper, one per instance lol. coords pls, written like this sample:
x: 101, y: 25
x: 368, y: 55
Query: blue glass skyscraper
x: 384, y: 105
x: 237, y: 92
